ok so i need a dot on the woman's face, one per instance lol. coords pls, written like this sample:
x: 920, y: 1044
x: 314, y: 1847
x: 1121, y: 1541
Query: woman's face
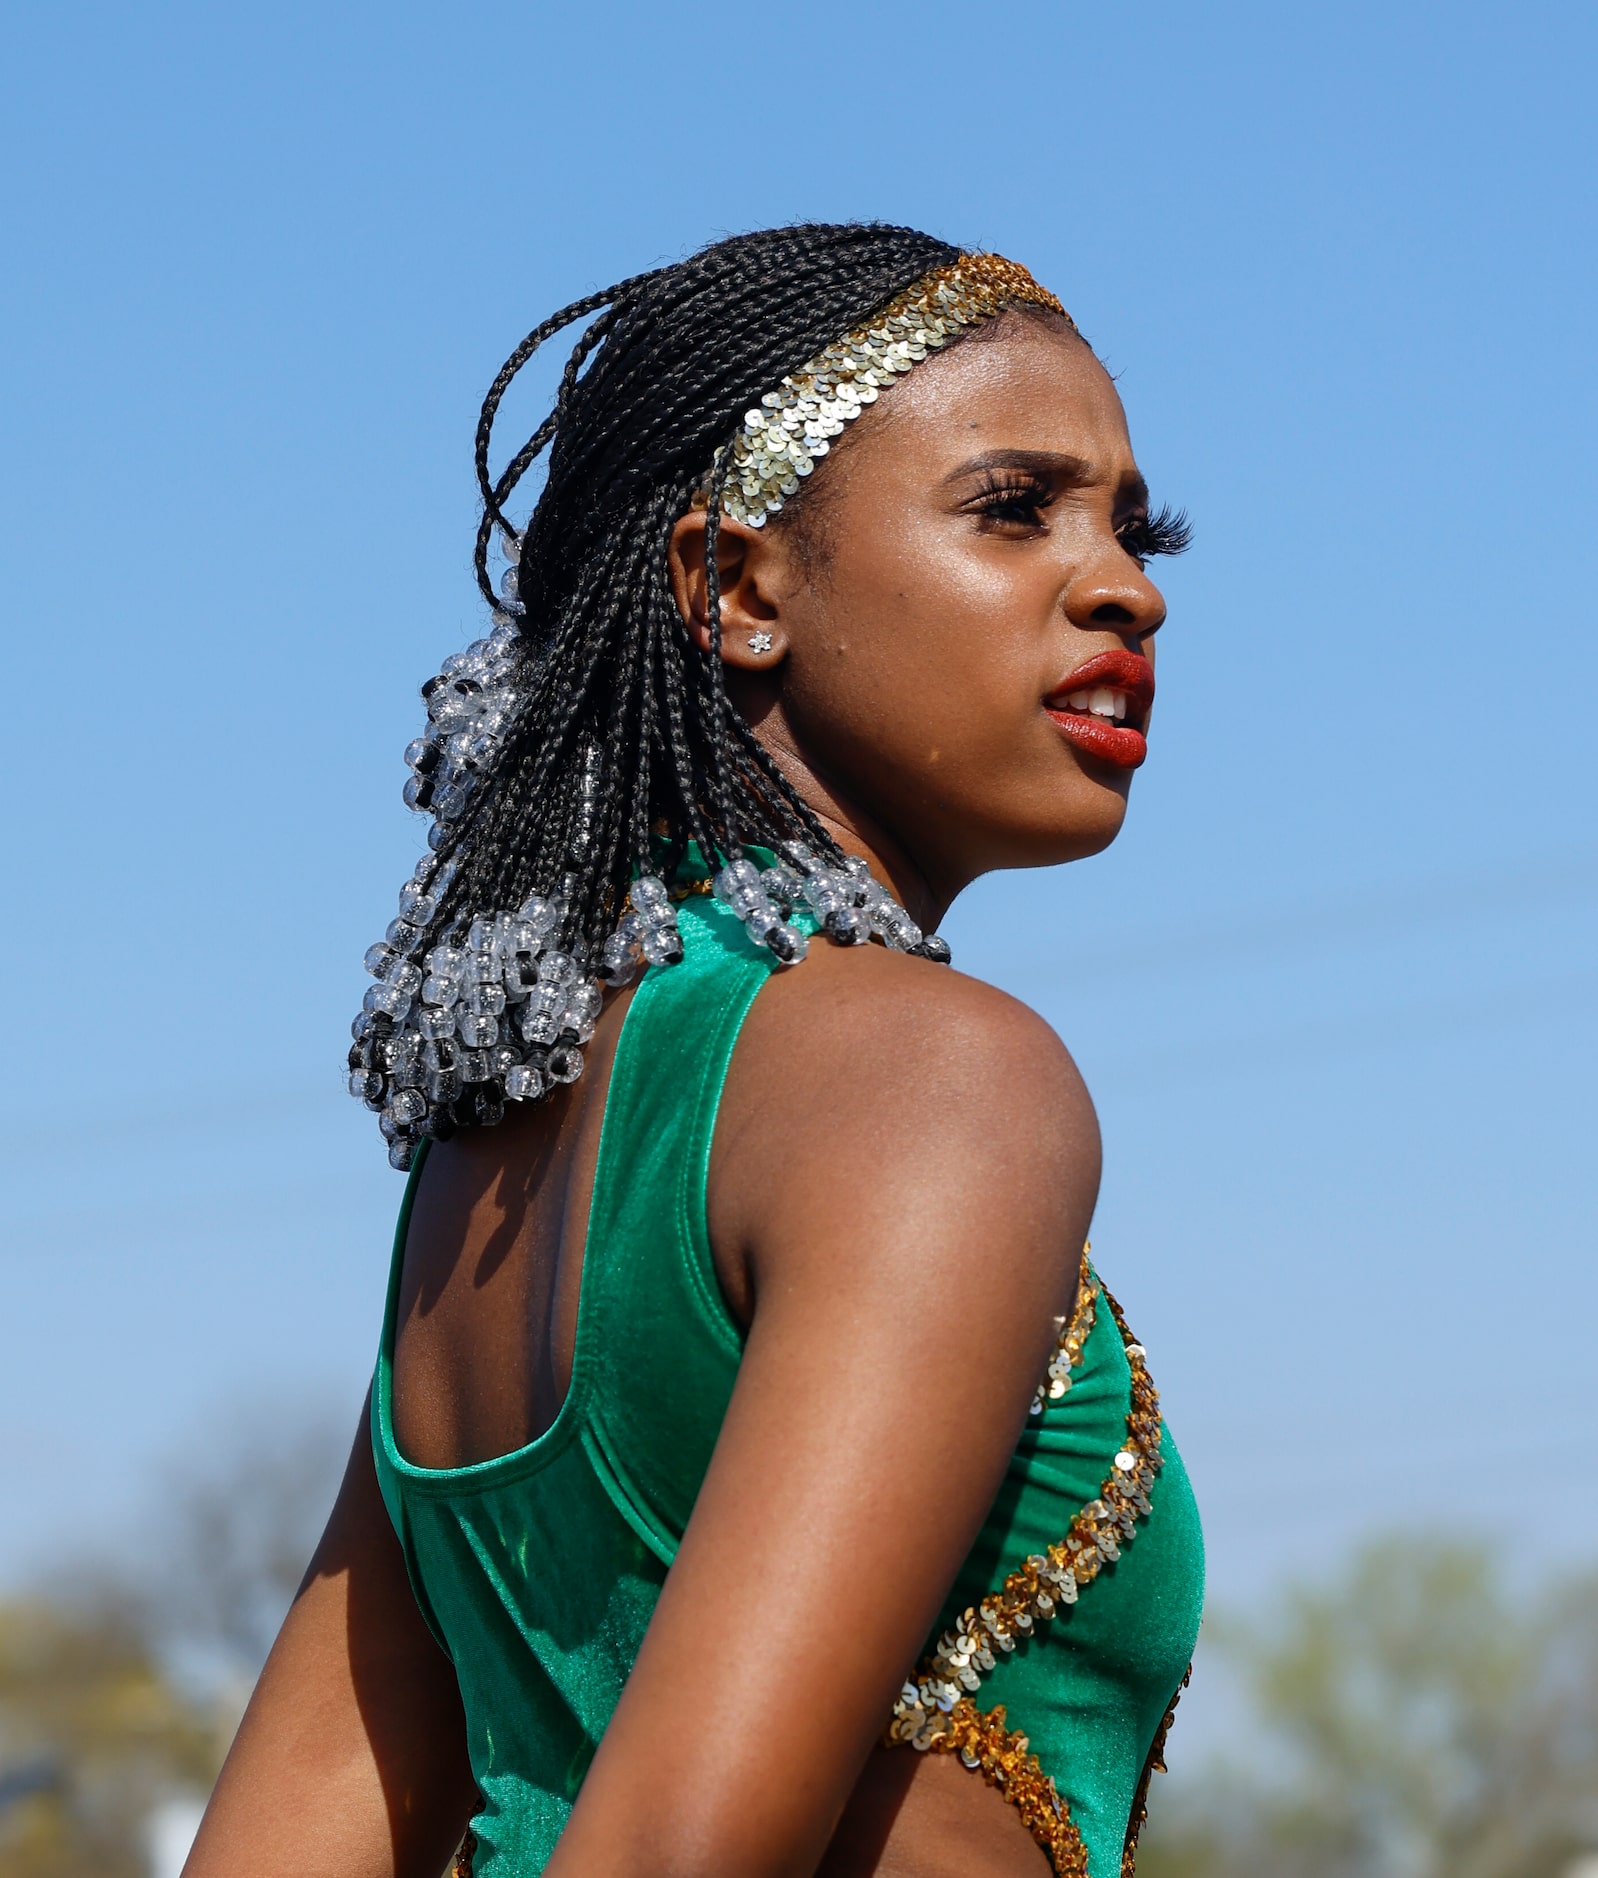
x: 960, y: 631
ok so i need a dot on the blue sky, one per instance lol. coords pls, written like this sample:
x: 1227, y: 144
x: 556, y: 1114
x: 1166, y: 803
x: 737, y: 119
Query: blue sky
x: 1333, y: 989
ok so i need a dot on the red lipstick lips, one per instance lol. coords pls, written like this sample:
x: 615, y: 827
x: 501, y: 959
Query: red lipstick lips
x: 1102, y: 708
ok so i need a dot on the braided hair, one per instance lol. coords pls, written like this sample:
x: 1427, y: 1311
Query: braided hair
x: 673, y: 357
x: 618, y: 735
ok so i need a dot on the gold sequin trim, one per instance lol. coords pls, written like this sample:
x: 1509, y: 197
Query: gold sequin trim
x: 1045, y: 1581
x: 1003, y: 1758
x: 1155, y: 1764
x: 465, y: 1852
x: 1073, y: 1333
x: 789, y: 431
x: 925, y: 1713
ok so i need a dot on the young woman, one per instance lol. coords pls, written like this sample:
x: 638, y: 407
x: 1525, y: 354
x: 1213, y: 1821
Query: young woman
x: 758, y: 1477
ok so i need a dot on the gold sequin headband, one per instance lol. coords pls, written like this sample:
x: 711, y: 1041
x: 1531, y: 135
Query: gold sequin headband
x: 781, y: 440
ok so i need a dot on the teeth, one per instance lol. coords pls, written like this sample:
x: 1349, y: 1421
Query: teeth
x: 1100, y: 701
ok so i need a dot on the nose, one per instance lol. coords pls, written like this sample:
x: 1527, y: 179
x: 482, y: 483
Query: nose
x: 1116, y: 596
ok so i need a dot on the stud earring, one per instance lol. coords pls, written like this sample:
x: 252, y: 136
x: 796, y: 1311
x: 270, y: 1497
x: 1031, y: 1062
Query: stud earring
x: 760, y: 642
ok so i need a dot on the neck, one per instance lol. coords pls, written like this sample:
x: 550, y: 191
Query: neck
x: 857, y: 831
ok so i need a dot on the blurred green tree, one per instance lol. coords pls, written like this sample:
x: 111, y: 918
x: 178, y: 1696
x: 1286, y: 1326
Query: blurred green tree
x: 121, y: 1682
x: 92, y: 1736
x: 1421, y: 1717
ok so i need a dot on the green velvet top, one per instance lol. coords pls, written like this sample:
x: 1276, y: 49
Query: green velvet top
x: 538, y: 1571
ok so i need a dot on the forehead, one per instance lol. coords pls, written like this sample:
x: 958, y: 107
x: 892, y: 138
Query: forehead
x: 1014, y: 384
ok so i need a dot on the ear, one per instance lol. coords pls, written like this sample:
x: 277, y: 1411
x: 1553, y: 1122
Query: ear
x: 750, y: 564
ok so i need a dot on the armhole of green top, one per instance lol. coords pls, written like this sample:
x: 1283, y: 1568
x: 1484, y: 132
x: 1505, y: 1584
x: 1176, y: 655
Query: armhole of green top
x: 650, y: 1178
x: 722, y: 1021
x: 671, y: 1067
x: 380, y: 1421
x: 654, y: 1159
x: 383, y: 1374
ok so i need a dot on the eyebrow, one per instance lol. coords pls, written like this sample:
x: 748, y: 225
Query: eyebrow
x: 1054, y: 463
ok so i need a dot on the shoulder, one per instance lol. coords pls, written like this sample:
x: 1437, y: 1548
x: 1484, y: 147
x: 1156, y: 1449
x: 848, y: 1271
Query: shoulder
x: 864, y: 1028
x: 873, y: 1094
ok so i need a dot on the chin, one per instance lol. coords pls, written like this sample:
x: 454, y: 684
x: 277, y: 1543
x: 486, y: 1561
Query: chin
x: 1083, y: 829
x: 1080, y: 819
x: 1096, y: 839
x: 1086, y: 837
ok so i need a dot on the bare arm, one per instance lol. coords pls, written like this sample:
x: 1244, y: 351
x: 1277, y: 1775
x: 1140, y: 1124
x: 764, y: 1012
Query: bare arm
x: 351, y: 1757
x: 910, y: 1215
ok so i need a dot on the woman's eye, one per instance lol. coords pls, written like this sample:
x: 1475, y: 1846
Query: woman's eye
x: 1133, y: 540
x: 1013, y: 507
x: 1167, y: 531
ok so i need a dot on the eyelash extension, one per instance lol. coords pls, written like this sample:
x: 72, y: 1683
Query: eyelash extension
x: 1166, y: 531
x: 1013, y: 492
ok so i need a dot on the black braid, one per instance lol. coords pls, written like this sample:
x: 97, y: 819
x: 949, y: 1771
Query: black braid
x: 625, y: 732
